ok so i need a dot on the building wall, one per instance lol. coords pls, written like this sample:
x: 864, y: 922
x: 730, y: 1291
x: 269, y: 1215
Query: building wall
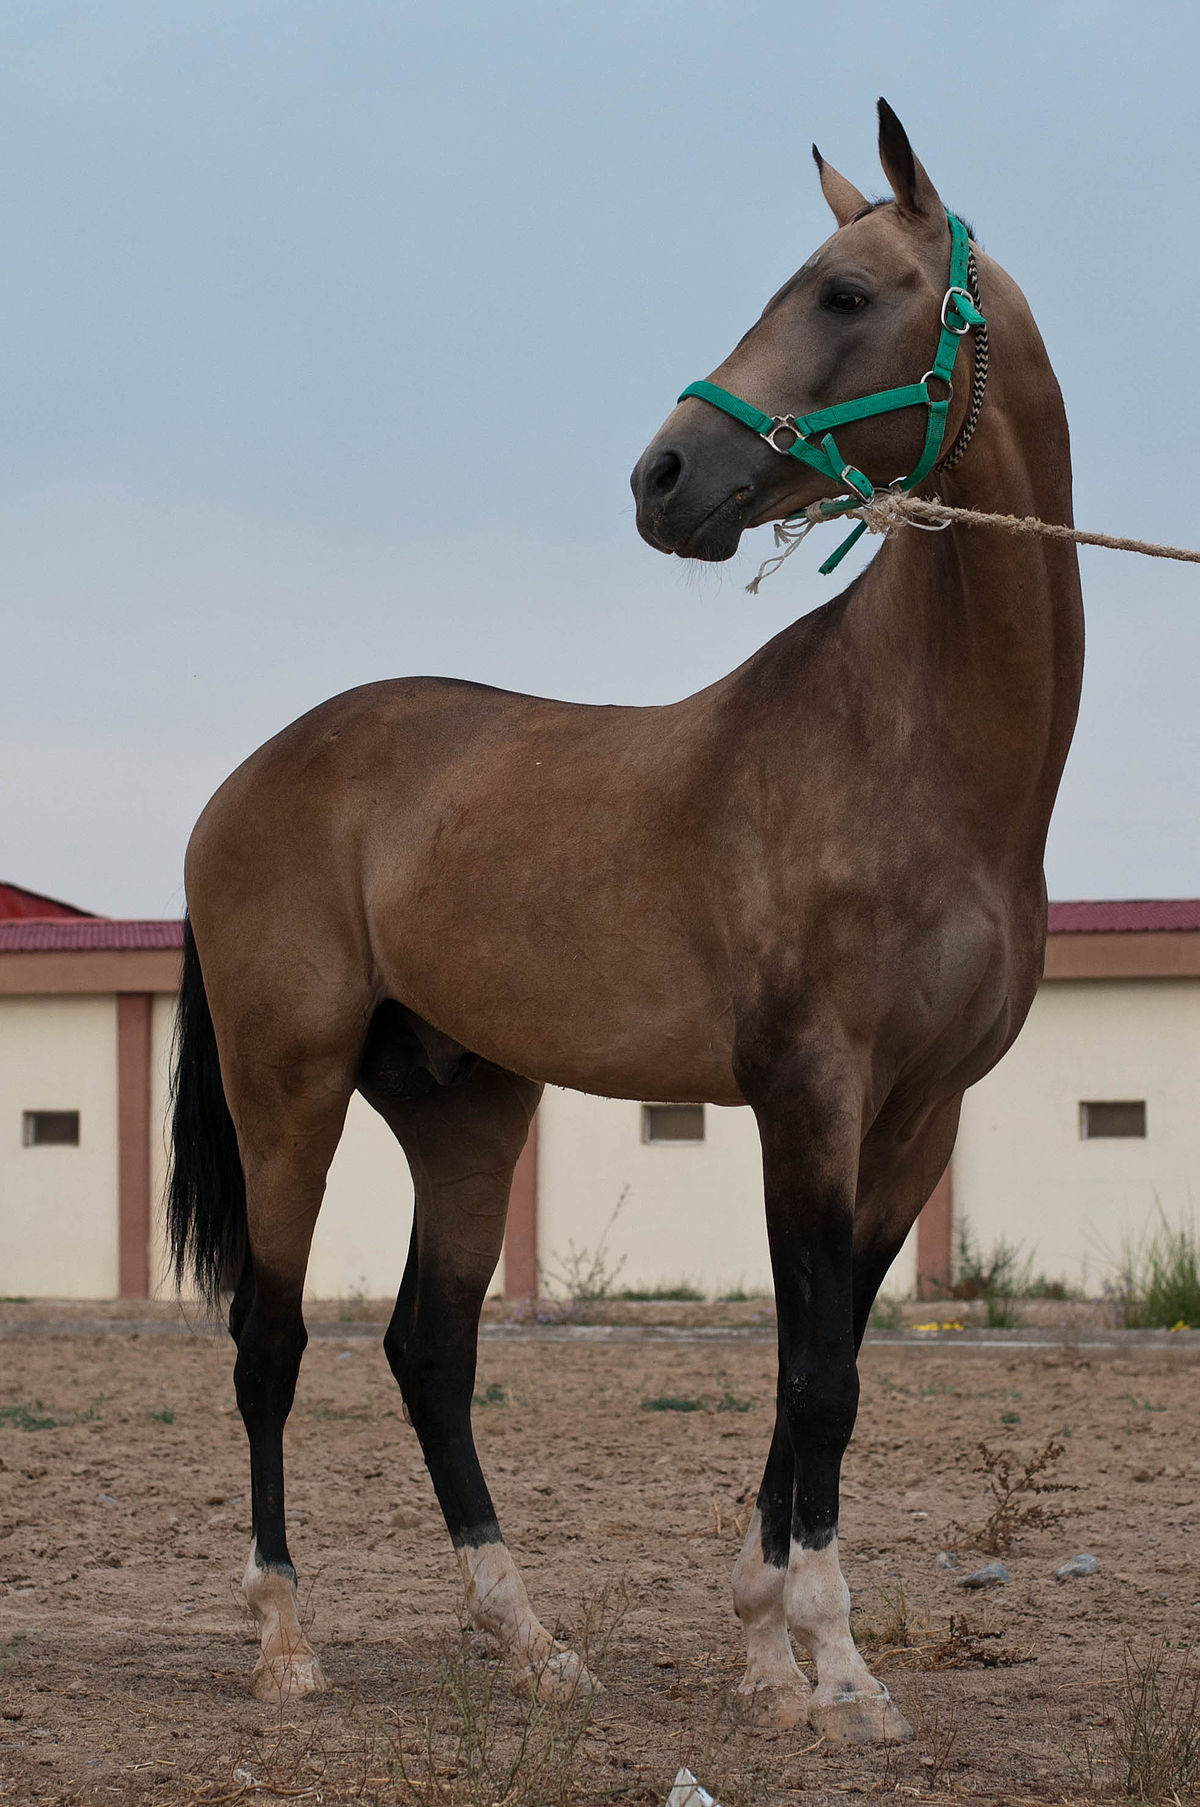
x: 1021, y: 1169
x: 688, y: 1211
x: 58, y: 1206
x: 361, y: 1239
x: 691, y: 1212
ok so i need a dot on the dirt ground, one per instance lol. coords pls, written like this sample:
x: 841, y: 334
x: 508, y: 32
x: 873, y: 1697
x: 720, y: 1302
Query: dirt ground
x: 125, y: 1649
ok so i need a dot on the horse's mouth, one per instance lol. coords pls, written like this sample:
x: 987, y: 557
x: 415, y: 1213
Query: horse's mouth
x: 715, y: 536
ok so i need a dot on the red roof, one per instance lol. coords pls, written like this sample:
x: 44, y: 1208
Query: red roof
x: 17, y: 903
x: 87, y: 934
x: 1139, y: 916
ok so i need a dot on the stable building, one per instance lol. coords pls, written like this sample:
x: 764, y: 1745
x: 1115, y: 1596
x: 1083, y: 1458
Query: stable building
x: 1084, y: 1133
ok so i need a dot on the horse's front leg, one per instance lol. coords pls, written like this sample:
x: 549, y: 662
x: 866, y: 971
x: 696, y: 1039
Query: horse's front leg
x: 788, y: 1575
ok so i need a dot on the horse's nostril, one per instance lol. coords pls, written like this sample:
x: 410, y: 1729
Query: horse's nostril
x: 663, y: 475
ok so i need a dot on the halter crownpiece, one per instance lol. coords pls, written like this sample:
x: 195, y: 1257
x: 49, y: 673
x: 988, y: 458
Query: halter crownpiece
x: 959, y: 314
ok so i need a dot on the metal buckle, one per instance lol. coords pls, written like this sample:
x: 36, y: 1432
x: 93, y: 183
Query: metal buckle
x: 860, y: 499
x: 780, y: 422
x: 956, y: 288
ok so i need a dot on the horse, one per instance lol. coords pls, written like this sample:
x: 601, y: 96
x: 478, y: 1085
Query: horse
x: 815, y: 888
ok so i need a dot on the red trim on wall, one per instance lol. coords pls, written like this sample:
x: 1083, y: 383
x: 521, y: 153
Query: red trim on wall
x: 934, y: 1231
x: 133, y: 1143
x: 521, y: 1231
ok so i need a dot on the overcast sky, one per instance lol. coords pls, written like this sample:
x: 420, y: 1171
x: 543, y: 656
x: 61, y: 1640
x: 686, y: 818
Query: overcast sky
x: 329, y: 337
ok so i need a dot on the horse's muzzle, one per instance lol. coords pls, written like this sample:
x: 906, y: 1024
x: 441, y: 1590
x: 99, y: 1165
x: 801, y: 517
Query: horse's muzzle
x: 683, y: 510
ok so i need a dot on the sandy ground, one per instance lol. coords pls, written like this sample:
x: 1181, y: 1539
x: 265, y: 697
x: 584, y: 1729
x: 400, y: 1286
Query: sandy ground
x: 125, y: 1650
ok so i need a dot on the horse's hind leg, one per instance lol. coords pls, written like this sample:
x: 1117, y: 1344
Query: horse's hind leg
x: 289, y: 1119
x: 462, y: 1141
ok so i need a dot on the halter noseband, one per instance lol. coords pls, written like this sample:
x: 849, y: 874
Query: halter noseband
x: 960, y: 312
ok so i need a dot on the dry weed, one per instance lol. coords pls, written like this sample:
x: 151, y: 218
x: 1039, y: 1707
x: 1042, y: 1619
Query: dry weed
x: 1155, y: 1726
x: 1017, y: 1487
x: 473, y: 1741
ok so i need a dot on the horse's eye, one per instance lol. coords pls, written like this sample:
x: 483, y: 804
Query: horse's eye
x: 845, y: 301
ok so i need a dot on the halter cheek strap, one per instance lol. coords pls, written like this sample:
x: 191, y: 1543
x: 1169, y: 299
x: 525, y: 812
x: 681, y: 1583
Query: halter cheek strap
x: 790, y: 435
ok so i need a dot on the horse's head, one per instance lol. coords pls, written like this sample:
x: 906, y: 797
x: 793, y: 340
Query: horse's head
x: 862, y: 315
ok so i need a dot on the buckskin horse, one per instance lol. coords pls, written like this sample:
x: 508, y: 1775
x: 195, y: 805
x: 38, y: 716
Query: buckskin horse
x: 814, y: 888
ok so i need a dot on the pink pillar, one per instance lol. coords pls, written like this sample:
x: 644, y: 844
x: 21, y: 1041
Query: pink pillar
x: 521, y: 1232
x: 133, y: 1143
x: 934, y: 1229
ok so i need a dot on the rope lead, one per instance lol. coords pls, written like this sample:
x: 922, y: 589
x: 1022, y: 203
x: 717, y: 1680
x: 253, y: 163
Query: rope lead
x: 889, y: 509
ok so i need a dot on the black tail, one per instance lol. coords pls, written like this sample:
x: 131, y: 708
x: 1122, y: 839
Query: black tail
x: 206, y: 1190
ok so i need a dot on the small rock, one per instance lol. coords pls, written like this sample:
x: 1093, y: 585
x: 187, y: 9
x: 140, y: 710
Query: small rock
x: 106, y: 1499
x: 404, y: 1519
x: 947, y: 1559
x: 1083, y: 1564
x: 993, y: 1575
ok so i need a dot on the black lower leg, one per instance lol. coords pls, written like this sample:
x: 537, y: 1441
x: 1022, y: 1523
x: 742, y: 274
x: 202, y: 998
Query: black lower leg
x: 271, y: 1342
x: 400, y: 1324
x: 435, y: 1368
x: 870, y: 1271
x: 818, y: 1372
x: 775, y: 1495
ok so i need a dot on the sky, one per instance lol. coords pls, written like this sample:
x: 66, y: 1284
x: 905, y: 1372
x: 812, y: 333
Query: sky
x: 330, y: 336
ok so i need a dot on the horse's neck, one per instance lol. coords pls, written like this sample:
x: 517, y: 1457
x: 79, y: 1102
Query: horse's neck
x: 982, y: 631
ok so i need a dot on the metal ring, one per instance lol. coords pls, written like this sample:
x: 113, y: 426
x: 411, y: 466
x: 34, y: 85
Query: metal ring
x: 940, y: 379
x: 956, y: 289
x: 781, y: 421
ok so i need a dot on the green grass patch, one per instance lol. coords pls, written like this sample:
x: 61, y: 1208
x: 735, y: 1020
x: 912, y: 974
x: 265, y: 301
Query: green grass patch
x: 166, y: 1416
x: 728, y: 1402
x: 1159, y: 1284
x: 672, y: 1402
x: 493, y: 1395
x: 22, y: 1419
x: 681, y: 1291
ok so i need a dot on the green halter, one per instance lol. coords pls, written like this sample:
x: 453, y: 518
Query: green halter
x: 959, y: 315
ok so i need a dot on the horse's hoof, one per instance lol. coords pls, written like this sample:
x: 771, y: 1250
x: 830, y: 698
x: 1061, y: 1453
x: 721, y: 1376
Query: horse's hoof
x: 562, y: 1676
x: 860, y: 1719
x: 286, y: 1678
x: 775, y: 1706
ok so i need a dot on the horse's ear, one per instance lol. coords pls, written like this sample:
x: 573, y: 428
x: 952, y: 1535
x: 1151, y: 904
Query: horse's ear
x: 844, y: 199
x: 915, y: 194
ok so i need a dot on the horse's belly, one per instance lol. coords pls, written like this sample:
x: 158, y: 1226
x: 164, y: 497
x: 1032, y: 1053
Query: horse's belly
x: 595, y: 1014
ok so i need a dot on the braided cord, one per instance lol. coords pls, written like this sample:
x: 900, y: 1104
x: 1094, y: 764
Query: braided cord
x: 979, y: 376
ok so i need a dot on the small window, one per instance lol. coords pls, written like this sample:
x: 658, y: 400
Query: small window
x: 51, y: 1129
x: 1126, y: 1117
x: 672, y: 1123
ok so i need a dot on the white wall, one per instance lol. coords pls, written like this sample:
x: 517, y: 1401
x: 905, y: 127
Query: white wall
x: 58, y: 1206
x: 1021, y: 1169
x: 693, y: 1211
x: 362, y: 1233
